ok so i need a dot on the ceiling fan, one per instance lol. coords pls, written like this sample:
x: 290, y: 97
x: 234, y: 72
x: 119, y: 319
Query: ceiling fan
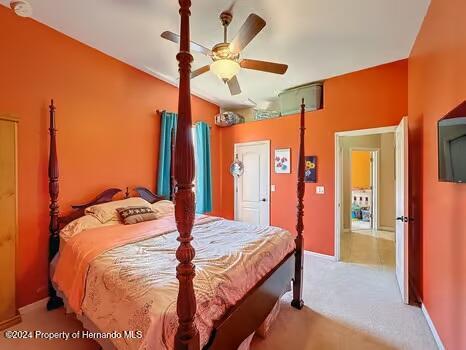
x: 226, y: 55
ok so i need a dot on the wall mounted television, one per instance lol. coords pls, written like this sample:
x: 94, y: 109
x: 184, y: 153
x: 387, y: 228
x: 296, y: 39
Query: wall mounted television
x: 452, y: 146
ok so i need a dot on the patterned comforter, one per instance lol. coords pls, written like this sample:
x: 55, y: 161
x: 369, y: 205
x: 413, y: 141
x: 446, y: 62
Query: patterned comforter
x: 134, y: 287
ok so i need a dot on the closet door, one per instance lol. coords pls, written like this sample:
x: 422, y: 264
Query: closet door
x: 8, y: 220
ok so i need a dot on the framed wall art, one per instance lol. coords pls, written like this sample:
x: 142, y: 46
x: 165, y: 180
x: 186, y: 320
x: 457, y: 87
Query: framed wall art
x: 282, y: 161
x: 310, y: 169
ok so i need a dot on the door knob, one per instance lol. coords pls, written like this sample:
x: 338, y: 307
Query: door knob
x: 404, y: 219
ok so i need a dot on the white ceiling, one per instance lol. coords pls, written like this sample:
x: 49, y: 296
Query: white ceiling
x: 318, y: 39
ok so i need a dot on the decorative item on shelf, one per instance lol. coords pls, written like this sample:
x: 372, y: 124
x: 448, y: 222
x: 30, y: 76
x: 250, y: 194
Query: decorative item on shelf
x: 262, y: 114
x: 282, y: 161
x: 310, y: 169
x: 237, y: 167
x: 228, y: 119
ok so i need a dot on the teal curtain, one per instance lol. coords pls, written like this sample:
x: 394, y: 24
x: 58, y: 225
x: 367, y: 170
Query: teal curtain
x: 203, y: 168
x: 168, y: 124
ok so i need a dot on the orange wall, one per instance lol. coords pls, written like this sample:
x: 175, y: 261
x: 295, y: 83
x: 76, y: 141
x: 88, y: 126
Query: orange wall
x: 437, y: 83
x: 108, y: 131
x: 370, y: 98
x: 360, y: 169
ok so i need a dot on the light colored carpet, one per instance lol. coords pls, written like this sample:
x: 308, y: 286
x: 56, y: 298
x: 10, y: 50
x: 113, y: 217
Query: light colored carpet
x: 348, y: 306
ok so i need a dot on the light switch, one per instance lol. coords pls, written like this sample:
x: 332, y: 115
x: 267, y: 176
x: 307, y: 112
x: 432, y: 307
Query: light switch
x: 320, y: 189
x: 272, y: 188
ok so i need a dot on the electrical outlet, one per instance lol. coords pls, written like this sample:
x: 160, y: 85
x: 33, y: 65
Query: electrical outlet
x: 272, y: 188
x: 320, y: 189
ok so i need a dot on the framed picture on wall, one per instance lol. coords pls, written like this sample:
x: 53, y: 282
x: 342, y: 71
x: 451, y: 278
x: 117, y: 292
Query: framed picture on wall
x: 282, y: 161
x: 310, y: 169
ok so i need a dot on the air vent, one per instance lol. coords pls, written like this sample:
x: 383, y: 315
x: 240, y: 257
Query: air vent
x: 290, y: 99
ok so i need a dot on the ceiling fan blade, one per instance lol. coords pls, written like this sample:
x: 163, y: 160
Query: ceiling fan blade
x: 200, y: 71
x: 247, y: 32
x: 232, y: 6
x: 194, y: 46
x: 264, y: 66
x: 233, y: 85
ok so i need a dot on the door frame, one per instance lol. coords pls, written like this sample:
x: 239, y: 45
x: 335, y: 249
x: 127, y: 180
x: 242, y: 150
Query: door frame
x: 235, y: 182
x: 374, y: 178
x: 338, y: 224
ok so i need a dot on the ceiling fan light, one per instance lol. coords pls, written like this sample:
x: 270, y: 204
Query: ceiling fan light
x: 225, y: 69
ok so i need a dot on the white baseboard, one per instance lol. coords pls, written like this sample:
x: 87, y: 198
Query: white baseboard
x: 386, y: 228
x: 38, y: 305
x: 319, y: 255
x: 432, y: 328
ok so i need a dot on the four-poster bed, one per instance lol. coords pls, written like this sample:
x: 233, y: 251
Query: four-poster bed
x: 247, y: 313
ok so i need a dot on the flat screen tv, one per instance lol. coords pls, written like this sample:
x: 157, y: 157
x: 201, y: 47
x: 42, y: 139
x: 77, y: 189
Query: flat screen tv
x: 452, y: 146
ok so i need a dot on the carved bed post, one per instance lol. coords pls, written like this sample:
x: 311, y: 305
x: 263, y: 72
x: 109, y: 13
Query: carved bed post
x: 187, y: 335
x: 297, y: 301
x: 54, y: 301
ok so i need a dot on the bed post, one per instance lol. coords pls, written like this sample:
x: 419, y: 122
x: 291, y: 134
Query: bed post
x: 297, y: 301
x: 187, y: 335
x: 54, y: 301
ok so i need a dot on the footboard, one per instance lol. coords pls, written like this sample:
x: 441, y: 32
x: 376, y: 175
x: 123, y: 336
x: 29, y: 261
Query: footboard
x: 251, y: 311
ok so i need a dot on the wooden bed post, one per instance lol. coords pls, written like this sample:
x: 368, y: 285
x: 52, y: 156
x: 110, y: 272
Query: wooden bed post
x: 297, y: 301
x: 187, y: 335
x: 54, y: 301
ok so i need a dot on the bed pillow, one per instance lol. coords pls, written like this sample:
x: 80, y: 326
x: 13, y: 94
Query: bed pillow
x: 164, y: 208
x: 84, y: 223
x: 134, y: 214
x: 108, y: 211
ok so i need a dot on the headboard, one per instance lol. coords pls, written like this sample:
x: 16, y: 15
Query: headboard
x: 104, y: 197
x: 147, y: 194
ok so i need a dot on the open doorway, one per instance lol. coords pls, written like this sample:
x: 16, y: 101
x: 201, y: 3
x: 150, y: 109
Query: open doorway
x: 367, y: 161
x: 371, y: 218
x: 364, y: 190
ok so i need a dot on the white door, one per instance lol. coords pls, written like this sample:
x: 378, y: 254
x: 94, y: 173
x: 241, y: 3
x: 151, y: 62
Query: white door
x: 401, y: 237
x: 252, y: 188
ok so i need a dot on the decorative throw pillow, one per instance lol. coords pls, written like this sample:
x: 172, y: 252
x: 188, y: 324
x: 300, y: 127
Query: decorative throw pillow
x: 134, y: 214
x: 106, y: 212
